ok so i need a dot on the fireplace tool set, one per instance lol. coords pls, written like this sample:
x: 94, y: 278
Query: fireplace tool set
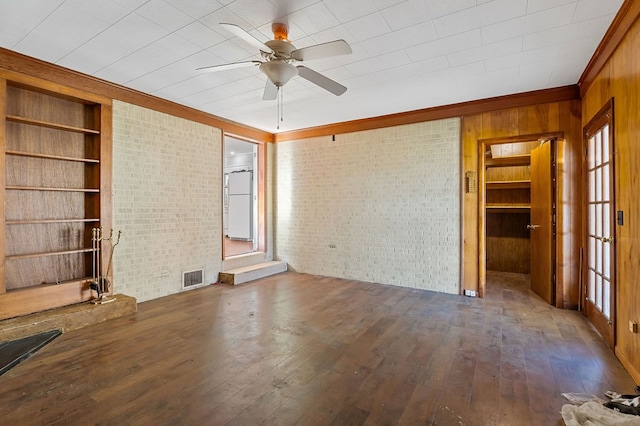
x: 101, y: 284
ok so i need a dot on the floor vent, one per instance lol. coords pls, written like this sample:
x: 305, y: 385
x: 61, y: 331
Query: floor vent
x: 192, y: 279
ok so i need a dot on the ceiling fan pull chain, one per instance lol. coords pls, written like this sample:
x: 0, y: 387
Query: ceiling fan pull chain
x: 279, y: 100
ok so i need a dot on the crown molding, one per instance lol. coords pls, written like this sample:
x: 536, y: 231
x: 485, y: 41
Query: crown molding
x: 557, y: 94
x: 19, y: 63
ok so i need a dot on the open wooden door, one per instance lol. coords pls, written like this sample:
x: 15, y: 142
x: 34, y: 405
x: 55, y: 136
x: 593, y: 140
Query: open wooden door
x: 542, y: 221
x: 600, y: 226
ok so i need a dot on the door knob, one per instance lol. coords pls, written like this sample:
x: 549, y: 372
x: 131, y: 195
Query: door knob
x: 606, y: 239
x: 532, y: 227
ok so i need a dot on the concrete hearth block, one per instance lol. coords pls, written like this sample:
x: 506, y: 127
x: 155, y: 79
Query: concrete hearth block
x: 66, y: 318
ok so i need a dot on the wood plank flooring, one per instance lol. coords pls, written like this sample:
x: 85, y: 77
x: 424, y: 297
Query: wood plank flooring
x: 302, y: 349
x: 234, y: 247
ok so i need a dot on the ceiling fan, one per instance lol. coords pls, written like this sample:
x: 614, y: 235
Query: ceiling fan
x: 279, y: 58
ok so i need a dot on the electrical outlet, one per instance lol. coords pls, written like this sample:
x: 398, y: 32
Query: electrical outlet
x: 633, y: 327
x: 470, y: 293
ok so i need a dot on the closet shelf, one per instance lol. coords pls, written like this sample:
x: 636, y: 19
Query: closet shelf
x: 51, y: 157
x: 50, y: 253
x: 515, y: 160
x: 509, y: 184
x: 40, y: 188
x: 508, y: 208
x: 41, y: 123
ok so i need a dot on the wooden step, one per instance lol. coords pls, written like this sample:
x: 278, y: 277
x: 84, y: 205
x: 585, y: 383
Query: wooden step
x: 252, y: 272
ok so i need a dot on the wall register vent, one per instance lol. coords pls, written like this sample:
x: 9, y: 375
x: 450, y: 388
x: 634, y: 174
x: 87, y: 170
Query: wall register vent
x: 192, y: 279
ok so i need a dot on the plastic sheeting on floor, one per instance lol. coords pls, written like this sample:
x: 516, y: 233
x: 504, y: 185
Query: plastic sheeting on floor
x: 595, y: 414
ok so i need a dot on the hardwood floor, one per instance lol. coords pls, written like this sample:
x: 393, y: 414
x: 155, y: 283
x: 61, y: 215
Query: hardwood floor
x: 295, y: 348
x: 235, y: 247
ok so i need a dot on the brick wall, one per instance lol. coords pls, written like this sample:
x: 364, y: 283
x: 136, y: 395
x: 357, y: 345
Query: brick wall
x: 167, y: 182
x: 380, y: 205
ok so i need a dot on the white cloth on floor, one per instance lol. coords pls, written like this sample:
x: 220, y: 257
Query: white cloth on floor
x: 595, y: 414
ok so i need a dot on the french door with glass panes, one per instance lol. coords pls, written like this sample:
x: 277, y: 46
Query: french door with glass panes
x: 600, y: 248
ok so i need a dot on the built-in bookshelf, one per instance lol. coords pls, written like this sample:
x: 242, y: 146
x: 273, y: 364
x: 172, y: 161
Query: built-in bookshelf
x: 56, y: 149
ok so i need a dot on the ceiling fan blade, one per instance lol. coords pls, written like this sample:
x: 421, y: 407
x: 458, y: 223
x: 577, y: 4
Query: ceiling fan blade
x: 323, y: 50
x: 270, y: 91
x: 239, y: 32
x: 234, y: 65
x: 322, y: 81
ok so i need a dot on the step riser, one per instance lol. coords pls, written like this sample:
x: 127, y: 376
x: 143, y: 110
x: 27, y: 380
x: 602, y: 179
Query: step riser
x: 240, y: 277
x: 242, y: 261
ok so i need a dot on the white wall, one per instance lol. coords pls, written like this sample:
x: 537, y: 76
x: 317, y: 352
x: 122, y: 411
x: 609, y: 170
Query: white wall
x: 388, y: 200
x: 167, y: 186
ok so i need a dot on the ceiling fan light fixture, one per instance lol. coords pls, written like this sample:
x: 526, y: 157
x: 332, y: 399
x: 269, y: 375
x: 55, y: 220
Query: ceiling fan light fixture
x: 280, y: 31
x: 279, y: 72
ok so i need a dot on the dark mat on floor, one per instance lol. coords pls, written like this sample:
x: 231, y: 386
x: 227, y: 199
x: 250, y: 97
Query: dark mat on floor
x: 14, y: 352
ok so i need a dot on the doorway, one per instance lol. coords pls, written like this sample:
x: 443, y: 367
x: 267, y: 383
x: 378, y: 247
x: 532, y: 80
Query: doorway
x: 241, y: 190
x: 517, y: 218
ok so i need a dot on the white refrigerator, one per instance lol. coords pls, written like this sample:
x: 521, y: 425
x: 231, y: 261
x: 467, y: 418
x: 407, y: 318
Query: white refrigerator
x: 240, y: 205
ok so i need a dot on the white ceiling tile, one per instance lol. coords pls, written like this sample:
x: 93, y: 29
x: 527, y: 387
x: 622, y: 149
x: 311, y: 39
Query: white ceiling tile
x: 438, y: 8
x: 530, y: 57
x: 533, y: 77
x: 254, y: 13
x: 569, y: 32
x: 369, y: 80
x: 490, y: 84
x: 284, y: 8
x: 566, y: 75
x: 164, y: 14
x: 454, y: 73
x: 406, y: 14
x: 164, y: 77
x: 347, y: 11
x: 539, y: 5
x: 367, y: 27
x: 105, y: 10
x: 70, y: 26
x: 125, y: 37
x: 314, y: 19
x: 140, y: 62
x: 456, y: 23
x: 486, y: 52
x: 19, y: 18
x: 420, y: 68
x: 443, y: 46
x: 186, y: 89
x: 378, y: 63
x: 501, y: 10
x: 196, y: 8
x: 130, y: 5
x: 547, y: 19
x: 590, y: 9
x: 579, y: 48
x: 178, y: 45
x: 200, y: 35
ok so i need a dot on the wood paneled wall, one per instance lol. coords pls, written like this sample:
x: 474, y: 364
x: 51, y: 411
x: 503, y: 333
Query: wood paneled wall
x: 620, y: 79
x: 553, y: 117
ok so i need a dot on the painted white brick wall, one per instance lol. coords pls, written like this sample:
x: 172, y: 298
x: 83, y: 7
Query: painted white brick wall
x: 380, y: 206
x: 167, y: 180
